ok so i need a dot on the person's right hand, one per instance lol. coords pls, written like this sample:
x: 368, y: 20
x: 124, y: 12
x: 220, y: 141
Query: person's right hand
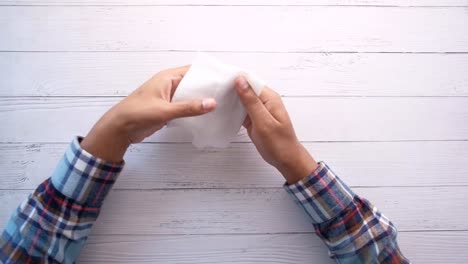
x: 271, y: 130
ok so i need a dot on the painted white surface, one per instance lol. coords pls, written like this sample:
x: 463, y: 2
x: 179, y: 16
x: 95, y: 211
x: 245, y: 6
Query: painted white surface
x: 341, y: 118
x: 156, y: 166
x: 377, y: 88
x: 432, y: 247
x: 260, y: 210
x: 243, y: 2
x: 234, y: 28
x: 290, y: 74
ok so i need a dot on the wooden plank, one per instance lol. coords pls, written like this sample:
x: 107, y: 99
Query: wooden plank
x: 419, y: 247
x: 296, y: 248
x: 155, y: 166
x: 234, y: 211
x: 315, y: 119
x: 243, y: 2
x: 233, y: 28
x: 291, y: 74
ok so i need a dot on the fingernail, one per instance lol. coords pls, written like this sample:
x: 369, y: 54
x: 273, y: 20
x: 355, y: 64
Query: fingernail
x: 243, y: 83
x: 208, y: 104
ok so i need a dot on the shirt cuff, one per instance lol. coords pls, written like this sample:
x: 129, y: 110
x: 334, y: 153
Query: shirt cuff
x: 322, y: 195
x: 84, y: 178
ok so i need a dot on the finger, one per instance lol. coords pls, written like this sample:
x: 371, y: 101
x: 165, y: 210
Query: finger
x: 252, y: 103
x: 248, y: 125
x: 177, y: 76
x: 267, y: 95
x: 247, y: 122
x: 180, y: 71
x: 191, y: 108
x: 274, y: 104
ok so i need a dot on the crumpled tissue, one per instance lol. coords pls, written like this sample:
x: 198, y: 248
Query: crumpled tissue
x: 208, y: 77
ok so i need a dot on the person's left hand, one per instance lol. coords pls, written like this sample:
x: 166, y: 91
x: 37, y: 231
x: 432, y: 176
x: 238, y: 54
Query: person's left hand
x: 141, y: 114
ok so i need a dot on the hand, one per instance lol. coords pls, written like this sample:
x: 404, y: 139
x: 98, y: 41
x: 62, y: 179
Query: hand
x: 141, y: 114
x: 271, y: 130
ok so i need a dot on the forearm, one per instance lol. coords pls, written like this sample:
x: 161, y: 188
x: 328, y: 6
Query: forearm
x: 107, y: 139
x: 52, y: 224
x: 352, y: 228
x: 354, y: 231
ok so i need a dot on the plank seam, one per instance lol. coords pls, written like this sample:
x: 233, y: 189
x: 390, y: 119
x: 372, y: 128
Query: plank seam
x: 272, y: 233
x: 230, y: 5
x: 262, y: 234
x: 249, y: 142
x: 254, y: 188
x: 282, y: 96
x: 238, y: 51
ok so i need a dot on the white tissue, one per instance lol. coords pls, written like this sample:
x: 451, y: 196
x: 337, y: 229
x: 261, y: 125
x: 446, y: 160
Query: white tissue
x: 208, y: 77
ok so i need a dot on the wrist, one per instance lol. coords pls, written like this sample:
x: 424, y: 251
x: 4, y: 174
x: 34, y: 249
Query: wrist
x: 108, y: 139
x: 298, y: 166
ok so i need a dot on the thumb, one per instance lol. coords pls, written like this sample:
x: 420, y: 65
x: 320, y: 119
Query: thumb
x: 252, y: 103
x: 191, y: 108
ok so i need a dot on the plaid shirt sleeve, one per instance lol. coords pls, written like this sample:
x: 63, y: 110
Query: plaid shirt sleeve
x: 352, y: 228
x: 52, y: 224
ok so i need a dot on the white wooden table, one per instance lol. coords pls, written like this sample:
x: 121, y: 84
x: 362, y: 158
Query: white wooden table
x: 377, y: 88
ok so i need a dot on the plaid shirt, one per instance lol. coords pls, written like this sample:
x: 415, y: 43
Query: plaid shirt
x: 352, y: 228
x: 52, y: 224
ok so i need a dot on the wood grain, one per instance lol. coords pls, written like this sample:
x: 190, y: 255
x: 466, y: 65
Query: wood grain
x: 290, y: 74
x: 340, y: 119
x: 420, y: 247
x: 236, y: 211
x: 205, y: 249
x: 243, y: 2
x: 218, y: 28
x: 155, y: 166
